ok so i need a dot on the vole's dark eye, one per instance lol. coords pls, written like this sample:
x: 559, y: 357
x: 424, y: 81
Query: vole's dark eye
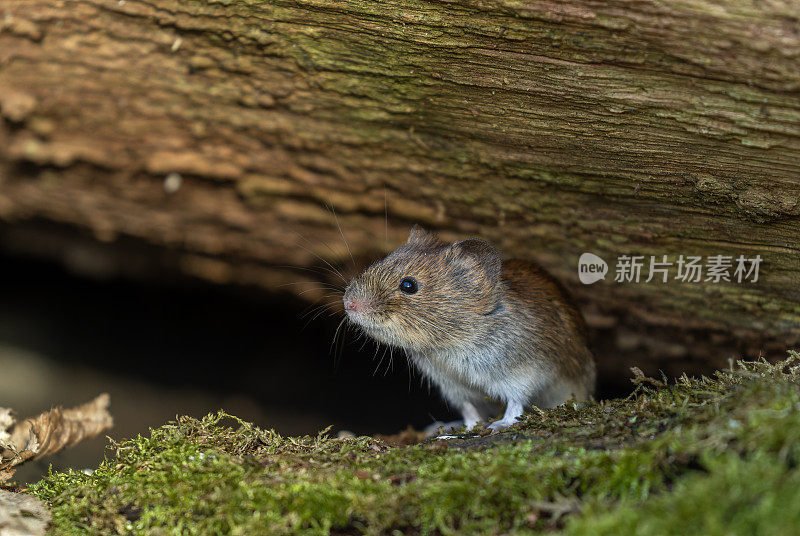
x: 409, y: 285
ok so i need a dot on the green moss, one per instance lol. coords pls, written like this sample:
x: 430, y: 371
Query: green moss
x: 751, y: 495
x: 700, y: 456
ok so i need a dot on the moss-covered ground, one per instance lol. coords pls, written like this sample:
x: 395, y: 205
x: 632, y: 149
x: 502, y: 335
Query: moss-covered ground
x: 697, y: 456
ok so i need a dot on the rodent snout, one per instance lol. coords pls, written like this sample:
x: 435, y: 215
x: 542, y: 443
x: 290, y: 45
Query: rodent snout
x: 355, y: 305
x: 358, y: 304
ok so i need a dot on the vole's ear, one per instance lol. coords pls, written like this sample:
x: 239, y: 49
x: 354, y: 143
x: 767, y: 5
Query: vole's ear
x: 482, y: 254
x: 420, y: 236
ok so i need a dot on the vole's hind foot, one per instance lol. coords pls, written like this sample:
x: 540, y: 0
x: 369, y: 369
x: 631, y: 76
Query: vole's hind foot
x: 443, y: 427
x: 500, y: 424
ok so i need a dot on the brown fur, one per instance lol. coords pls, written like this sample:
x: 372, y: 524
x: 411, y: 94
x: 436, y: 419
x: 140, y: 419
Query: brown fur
x: 541, y: 295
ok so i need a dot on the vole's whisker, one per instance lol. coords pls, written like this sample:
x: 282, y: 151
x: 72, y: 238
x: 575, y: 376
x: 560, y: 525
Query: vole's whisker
x: 314, y: 308
x: 321, y: 286
x: 386, y: 217
x: 333, y: 251
x: 343, y: 238
x: 312, y: 270
x: 383, y: 355
x: 318, y: 311
x: 385, y: 372
x: 410, y: 369
x: 336, y: 333
x: 331, y: 266
x: 322, y: 311
x: 336, y: 291
x: 342, y: 341
x: 328, y: 295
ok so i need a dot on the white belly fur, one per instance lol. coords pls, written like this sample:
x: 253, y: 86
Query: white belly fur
x: 475, y: 377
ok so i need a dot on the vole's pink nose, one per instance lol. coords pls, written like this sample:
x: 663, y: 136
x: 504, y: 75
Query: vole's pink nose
x: 355, y: 305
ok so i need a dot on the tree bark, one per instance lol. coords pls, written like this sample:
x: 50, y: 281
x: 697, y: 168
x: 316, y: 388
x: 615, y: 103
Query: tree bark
x: 219, y: 131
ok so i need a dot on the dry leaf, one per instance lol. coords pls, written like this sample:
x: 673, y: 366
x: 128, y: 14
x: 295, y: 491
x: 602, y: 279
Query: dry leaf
x: 22, y: 515
x: 6, y: 420
x: 49, y: 432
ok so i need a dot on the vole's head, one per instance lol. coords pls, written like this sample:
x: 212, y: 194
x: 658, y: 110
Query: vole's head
x: 427, y: 293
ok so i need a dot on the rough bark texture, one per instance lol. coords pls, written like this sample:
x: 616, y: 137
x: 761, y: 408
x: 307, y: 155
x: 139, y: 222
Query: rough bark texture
x: 549, y: 128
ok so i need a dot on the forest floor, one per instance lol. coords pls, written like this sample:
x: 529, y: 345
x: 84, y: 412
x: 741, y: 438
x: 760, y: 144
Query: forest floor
x: 705, y: 456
